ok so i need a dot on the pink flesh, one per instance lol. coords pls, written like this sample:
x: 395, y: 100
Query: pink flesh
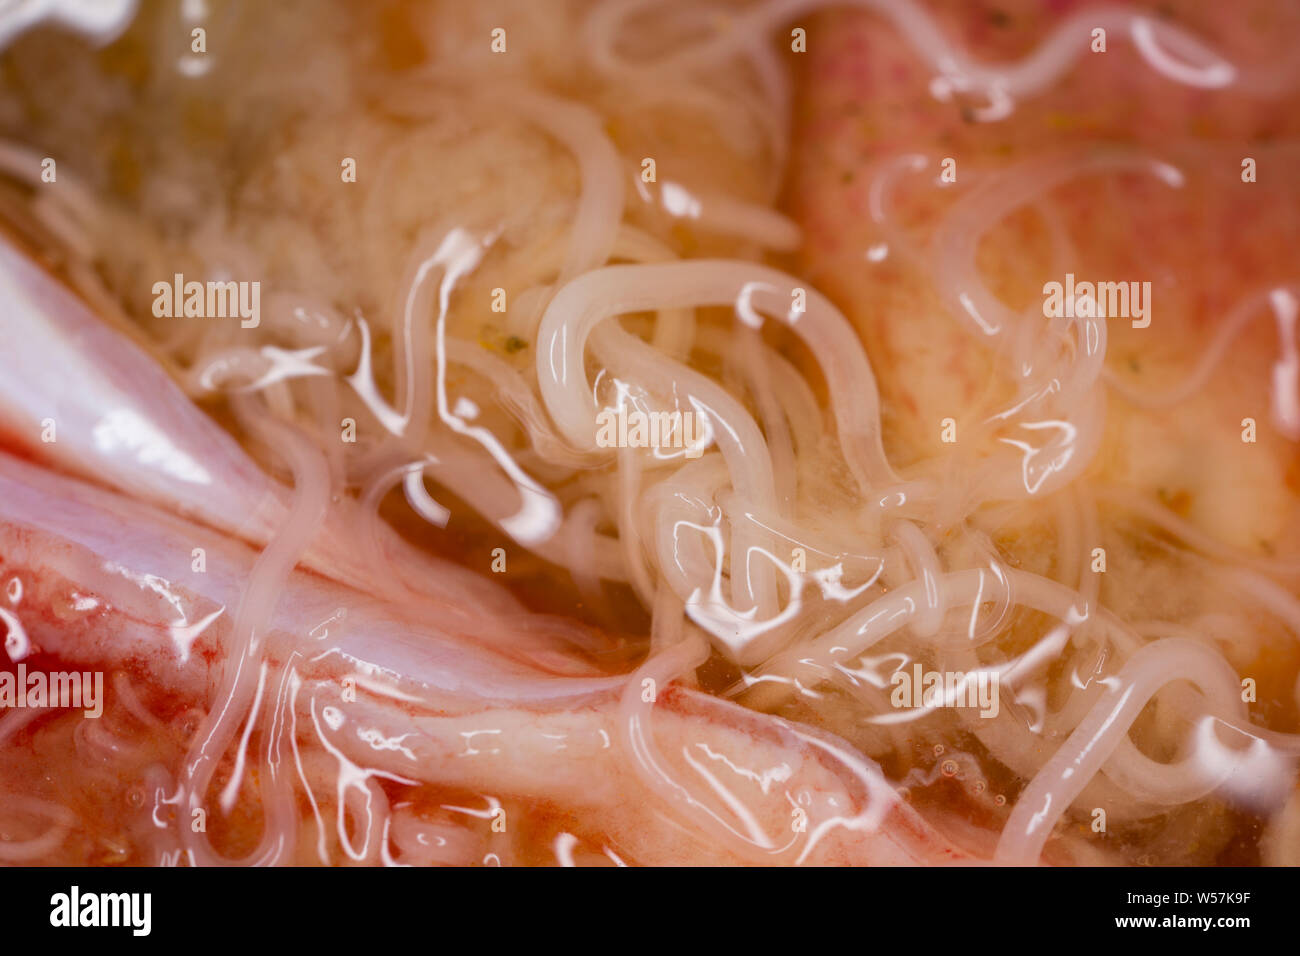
x: 1205, y: 247
x: 747, y: 770
x: 118, y: 419
x: 107, y: 584
x: 129, y: 565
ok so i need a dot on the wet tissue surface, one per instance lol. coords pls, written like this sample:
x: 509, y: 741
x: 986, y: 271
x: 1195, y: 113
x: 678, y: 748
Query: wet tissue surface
x: 648, y: 433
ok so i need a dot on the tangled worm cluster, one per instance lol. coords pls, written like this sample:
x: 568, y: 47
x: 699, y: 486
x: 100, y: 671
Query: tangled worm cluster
x: 792, y: 552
